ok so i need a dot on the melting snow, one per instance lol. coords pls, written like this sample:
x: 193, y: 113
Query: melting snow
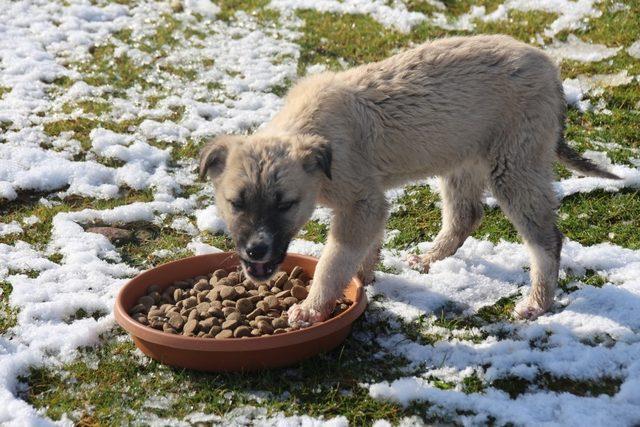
x: 590, y: 333
x: 577, y: 50
x: 634, y: 50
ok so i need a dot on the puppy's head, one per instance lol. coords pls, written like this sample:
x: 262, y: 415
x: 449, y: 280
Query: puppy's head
x: 266, y: 187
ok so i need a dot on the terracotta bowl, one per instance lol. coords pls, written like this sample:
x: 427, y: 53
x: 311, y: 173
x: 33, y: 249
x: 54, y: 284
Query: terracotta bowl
x: 231, y: 354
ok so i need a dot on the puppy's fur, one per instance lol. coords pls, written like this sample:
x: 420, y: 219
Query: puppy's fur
x: 480, y: 112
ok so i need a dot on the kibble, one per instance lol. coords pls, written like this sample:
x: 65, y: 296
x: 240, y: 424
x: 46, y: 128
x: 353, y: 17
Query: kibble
x: 189, y: 302
x: 272, y: 301
x: 227, y: 292
x: 225, y: 305
x: 244, y: 306
x: 146, y: 301
x: 242, y: 331
x: 279, y: 323
x: 176, y: 321
x: 225, y: 333
x: 299, y: 292
x: 190, y: 327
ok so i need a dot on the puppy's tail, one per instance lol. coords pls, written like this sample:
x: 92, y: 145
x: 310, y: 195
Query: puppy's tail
x: 573, y: 160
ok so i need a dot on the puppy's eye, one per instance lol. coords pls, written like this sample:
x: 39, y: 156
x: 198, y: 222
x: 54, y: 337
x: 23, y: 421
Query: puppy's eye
x: 285, y: 206
x: 236, y: 204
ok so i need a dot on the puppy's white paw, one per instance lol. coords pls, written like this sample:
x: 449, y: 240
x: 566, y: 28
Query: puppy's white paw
x: 527, y: 310
x: 302, y: 317
x: 418, y: 262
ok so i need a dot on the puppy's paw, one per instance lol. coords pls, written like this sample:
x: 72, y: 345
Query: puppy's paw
x: 528, y: 310
x: 301, y: 316
x: 418, y: 262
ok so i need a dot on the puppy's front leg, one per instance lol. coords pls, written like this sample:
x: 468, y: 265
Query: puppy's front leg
x: 353, y: 233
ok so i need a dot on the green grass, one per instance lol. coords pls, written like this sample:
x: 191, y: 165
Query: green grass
x: 328, y: 38
x: 256, y: 8
x: 114, y: 386
x: 619, y: 28
x: 587, y: 218
x: 516, y: 386
x: 7, y: 313
x: 109, y: 384
x: 315, y: 231
x: 39, y: 233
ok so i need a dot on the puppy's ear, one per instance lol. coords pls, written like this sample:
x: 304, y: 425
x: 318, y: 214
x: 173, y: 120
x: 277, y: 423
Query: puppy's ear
x: 213, y: 156
x: 316, y: 154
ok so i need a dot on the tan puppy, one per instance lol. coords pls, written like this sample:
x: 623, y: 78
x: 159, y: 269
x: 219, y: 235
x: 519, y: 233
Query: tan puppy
x: 480, y: 112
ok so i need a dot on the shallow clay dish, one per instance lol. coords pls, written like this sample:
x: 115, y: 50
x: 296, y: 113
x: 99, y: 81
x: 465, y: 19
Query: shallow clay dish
x: 231, y: 354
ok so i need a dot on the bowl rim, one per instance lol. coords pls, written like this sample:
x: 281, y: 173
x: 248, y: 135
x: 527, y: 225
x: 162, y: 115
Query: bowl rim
x: 312, y: 333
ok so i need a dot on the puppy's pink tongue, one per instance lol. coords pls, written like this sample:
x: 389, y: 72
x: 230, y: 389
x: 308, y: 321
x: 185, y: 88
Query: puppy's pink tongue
x: 259, y: 268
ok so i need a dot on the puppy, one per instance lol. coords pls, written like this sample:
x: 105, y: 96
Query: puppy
x: 479, y: 112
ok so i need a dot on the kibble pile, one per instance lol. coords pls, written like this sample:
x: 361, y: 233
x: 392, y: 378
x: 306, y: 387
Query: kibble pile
x: 226, y: 305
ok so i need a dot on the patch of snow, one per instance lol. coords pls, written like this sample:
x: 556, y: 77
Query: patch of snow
x: 7, y: 191
x: 10, y: 228
x: 204, y: 7
x: 572, y: 15
x: 200, y: 248
x: 89, y: 276
x: 547, y: 408
x: 395, y: 15
x: 184, y: 224
x: 568, y: 329
x: 162, y: 253
x: 634, y: 50
x: 577, y: 89
x: 577, y: 50
x: 30, y: 220
x: 464, y: 22
x: 207, y: 219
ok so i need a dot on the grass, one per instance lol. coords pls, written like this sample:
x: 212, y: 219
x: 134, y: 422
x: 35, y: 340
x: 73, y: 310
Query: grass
x: 587, y: 218
x: 516, y: 386
x: 39, y: 233
x: 7, y: 313
x: 115, y: 385
x: 112, y: 384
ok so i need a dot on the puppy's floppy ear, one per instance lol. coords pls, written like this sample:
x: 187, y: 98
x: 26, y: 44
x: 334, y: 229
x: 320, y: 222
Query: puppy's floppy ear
x: 316, y: 153
x: 213, y: 156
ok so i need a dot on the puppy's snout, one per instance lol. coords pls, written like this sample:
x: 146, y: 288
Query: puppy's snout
x: 258, y: 247
x: 257, y: 250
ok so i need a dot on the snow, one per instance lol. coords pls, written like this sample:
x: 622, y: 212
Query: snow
x: 630, y: 179
x: 30, y: 167
x: 10, y: 228
x: 207, y: 219
x: 577, y: 319
x: 577, y: 50
x: 634, y: 50
x: 88, y: 277
x: 396, y: 16
x: 577, y: 90
x: 546, y: 408
x: 590, y: 333
x: 572, y: 15
x: 203, y: 7
x: 30, y: 220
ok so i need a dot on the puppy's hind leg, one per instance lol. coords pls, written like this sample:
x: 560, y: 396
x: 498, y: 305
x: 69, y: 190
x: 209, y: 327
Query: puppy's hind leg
x: 350, y: 238
x: 526, y: 196
x: 461, y: 193
x: 367, y: 266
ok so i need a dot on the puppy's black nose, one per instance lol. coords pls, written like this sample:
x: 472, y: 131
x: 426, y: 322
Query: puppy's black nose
x: 257, y: 251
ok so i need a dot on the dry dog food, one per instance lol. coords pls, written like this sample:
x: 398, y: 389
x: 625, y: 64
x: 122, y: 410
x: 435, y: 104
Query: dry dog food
x: 225, y: 305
